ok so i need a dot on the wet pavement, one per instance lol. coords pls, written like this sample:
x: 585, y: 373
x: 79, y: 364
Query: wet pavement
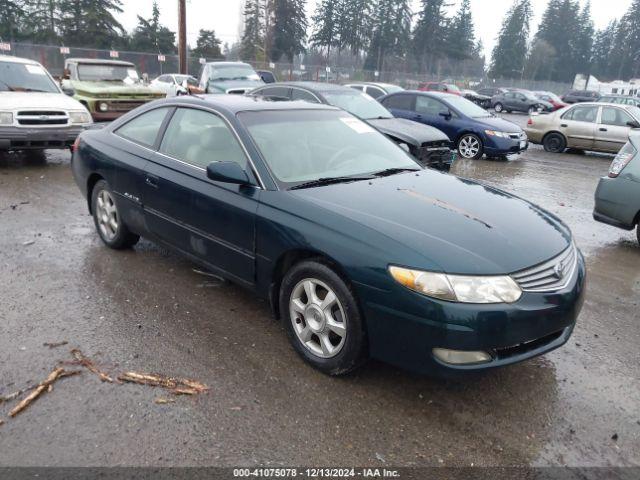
x: 147, y: 310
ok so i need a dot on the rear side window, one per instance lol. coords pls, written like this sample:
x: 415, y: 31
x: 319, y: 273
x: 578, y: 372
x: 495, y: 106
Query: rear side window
x: 375, y: 92
x: 582, y: 114
x: 199, y: 138
x: 144, y: 129
x: 399, y: 102
x: 275, y: 92
x: 303, y: 95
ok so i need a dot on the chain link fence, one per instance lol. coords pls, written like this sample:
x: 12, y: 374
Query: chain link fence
x: 53, y: 58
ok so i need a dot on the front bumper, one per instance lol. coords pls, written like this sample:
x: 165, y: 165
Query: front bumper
x: 404, y: 327
x: 495, y: 146
x: 18, y: 138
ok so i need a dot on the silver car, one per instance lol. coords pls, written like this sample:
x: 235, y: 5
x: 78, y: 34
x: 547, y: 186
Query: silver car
x: 600, y: 127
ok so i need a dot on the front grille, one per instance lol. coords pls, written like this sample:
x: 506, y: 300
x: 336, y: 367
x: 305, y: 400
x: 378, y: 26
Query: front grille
x: 42, y: 117
x: 438, y: 145
x: 123, y: 106
x: 437, y: 154
x: 550, y: 276
x: 526, y: 347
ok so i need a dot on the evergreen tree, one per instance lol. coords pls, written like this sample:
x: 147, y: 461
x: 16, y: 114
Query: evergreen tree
x: 325, y: 21
x: 510, y: 53
x: 461, y: 39
x: 582, y: 43
x: 208, y: 45
x: 289, y: 29
x: 603, y: 47
x: 626, y: 54
x: 12, y: 16
x: 391, y: 32
x: 428, y: 37
x: 41, y: 21
x: 91, y: 23
x: 151, y: 36
x: 252, y: 42
x: 354, y: 24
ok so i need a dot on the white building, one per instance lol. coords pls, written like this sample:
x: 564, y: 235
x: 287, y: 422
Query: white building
x: 617, y: 87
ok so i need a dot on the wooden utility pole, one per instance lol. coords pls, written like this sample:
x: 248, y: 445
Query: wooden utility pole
x: 182, y: 35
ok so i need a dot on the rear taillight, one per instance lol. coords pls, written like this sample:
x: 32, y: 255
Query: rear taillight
x: 75, y: 145
x: 622, y: 160
x: 530, y: 122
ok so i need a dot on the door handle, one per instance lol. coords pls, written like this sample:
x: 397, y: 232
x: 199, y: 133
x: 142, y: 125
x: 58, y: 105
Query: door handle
x: 151, y: 180
x: 604, y: 130
x: 564, y: 125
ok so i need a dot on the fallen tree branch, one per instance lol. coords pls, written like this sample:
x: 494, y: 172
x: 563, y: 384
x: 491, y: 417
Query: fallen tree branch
x: 55, y: 344
x: 178, y: 386
x: 47, y: 385
x: 85, y: 362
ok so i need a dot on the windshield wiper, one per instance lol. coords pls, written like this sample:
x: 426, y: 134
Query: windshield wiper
x: 321, y: 182
x: 9, y: 87
x: 394, y: 171
x: 35, y: 90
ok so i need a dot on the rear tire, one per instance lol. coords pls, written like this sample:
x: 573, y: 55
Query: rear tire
x: 328, y: 334
x: 106, y: 217
x: 554, y: 143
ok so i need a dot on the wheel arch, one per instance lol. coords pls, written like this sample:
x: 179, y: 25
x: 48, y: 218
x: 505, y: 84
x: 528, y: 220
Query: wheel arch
x: 91, y: 183
x: 292, y: 257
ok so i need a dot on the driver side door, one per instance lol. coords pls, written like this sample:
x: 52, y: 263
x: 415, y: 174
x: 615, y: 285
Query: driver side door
x: 211, y: 221
x: 432, y: 112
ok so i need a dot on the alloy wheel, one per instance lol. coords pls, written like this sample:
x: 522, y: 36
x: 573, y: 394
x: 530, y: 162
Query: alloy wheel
x: 498, y: 108
x: 318, y: 318
x: 469, y: 147
x: 107, y: 215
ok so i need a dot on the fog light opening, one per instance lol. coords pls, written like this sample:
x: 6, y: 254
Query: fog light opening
x: 104, y: 107
x: 458, y: 357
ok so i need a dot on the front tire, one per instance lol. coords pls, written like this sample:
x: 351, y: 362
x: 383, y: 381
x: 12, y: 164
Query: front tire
x: 470, y: 147
x: 107, y: 219
x: 498, y: 108
x: 554, y: 143
x: 322, y: 319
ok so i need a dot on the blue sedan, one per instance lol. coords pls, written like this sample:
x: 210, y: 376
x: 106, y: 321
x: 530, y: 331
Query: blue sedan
x: 475, y: 131
x: 360, y: 251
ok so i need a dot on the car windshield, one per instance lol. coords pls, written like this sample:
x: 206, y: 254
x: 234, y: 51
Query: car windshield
x: 20, y: 77
x: 358, y: 104
x: 552, y: 96
x: 221, y: 73
x: 190, y: 80
x: 467, y: 107
x: 635, y: 111
x: 109, y: 73
x: 321, y: 145
x: 453, y: 88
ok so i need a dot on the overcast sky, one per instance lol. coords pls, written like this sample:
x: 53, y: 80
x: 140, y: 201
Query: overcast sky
x: 224, y: 16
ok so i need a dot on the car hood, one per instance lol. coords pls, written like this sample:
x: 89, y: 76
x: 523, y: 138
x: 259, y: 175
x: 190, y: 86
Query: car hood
x: 499, y: 124
x: 455, y: 225
x: 228, y: 84
x: 101, y: 88
x: 37, y: 100
x: 408, y: 131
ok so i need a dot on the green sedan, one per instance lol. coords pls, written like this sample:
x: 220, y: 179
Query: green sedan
x: 618, y: 195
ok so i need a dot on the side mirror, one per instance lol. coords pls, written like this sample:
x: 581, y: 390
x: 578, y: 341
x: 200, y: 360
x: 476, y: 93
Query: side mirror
x: 66, y: 74
x: 68, y: 91
x: 447, y: 115
x: 227, y: 172
x: 633, y: 124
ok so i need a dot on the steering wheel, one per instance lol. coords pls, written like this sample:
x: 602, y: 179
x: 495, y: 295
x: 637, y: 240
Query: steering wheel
x: 334, y: 160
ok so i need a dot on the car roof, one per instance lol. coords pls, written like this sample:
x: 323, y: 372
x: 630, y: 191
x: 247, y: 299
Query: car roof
x: 11, y: 59
x: 443, y: 95
x: 228, y: 63
x: 318, y: 87
x: 244, y: 103
x: 99, y: 61
x: 374, y: 84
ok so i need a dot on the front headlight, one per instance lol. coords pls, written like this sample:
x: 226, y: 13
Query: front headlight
x: 493, y: 133
x: 6, y: 118
x: 459, y: 288
x: 80, y: 117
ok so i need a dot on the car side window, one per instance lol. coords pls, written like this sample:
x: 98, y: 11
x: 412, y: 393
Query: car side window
x: 281, y: 93
x: 429, y: 106
x: 297, y: 94
x: 401, y: 101
x: 582, y: 114
x: 358, y: 87
x: 198, y: 137
x: 144, y: 129
x: 375, y: 92
x: 615, y: 117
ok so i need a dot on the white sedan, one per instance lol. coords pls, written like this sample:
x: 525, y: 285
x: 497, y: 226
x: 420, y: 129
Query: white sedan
x: 173, y: 84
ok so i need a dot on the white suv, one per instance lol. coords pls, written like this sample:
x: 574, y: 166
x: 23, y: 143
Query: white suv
x: 34, y: 112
